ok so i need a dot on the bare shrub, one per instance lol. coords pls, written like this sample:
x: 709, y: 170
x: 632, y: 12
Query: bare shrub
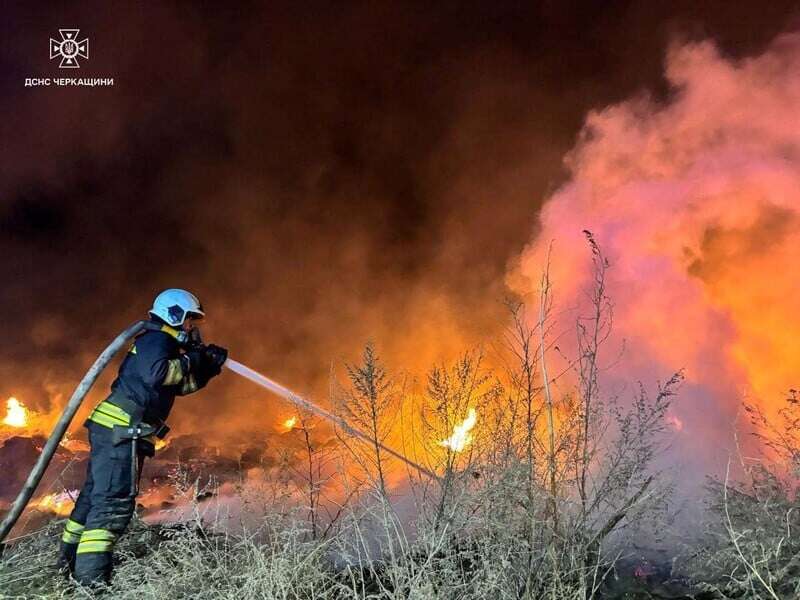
x: 751, y: 547
x: 370, y: 405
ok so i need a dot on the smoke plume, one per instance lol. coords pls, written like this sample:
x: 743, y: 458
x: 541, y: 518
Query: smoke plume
x: 695, y: 199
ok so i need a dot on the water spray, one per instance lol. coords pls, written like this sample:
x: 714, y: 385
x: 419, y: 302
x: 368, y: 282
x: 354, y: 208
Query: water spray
x: 122, y: 340
x: 309, y: 406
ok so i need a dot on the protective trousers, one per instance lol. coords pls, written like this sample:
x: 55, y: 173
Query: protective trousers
x: 103, y: 509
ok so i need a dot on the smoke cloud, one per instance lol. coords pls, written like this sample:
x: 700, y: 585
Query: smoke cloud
x: 695, y: 199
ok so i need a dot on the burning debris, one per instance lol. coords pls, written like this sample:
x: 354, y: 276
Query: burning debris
x: 59, y: 503
x: 74, y: 445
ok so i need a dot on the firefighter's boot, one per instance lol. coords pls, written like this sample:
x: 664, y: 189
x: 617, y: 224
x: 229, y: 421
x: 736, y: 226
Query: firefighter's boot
x: 69, y: 547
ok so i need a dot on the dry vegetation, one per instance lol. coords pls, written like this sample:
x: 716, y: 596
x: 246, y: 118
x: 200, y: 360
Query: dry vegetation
x: 537, y: 505
x: 751, y: 546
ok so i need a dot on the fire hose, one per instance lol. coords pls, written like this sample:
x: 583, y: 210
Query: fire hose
x: 50, y: 447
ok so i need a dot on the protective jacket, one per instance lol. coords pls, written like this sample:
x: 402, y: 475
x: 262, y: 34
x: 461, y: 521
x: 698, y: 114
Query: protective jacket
x: 153, y: 373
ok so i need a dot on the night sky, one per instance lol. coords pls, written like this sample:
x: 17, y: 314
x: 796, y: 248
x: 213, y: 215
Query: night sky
x: 318, y: 173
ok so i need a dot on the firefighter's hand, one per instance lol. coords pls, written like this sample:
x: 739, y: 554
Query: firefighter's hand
x: 196, y: 359
x: 215, y: 358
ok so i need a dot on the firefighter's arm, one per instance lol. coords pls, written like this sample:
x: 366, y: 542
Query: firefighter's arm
x: 157, y: 363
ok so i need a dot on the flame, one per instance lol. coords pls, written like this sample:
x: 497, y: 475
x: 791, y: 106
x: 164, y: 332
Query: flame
x: 289, y: 423
x: 461, y: 437
x: 17, y: 414
x: 74, y: 445
x: 161, y: 444
x: 59, y: 503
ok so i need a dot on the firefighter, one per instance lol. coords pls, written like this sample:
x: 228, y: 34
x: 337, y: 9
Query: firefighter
x: 167, y: 360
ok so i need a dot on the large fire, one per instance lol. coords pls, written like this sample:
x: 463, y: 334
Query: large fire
x: 16, y: 413
x: 462, y: 435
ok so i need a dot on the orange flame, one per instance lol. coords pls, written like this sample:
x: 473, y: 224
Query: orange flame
x: 461, y: 437
x: 289, y: 423
x: 161, y: 444
x: 74, y: 445
x: 60, y: 503
x: 16, y: 413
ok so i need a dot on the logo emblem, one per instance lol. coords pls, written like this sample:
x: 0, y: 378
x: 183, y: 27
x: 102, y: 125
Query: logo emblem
x: 69, y: 48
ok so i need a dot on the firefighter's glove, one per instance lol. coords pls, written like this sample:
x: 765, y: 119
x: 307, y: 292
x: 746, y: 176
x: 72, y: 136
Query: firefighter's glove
x: 195, y: 360
x: 215, y: 357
